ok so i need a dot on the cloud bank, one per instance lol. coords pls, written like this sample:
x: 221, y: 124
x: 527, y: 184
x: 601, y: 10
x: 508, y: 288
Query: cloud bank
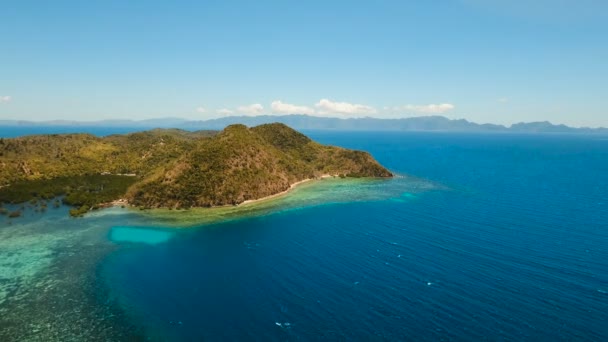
x: 278, y: 107
x: 252, y: 109
x: 225, y: 111
x: 429, y: 109
x: 327, y: 107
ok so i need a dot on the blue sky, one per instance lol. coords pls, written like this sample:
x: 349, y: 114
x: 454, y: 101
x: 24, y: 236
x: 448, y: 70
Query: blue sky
x: 487, y: 61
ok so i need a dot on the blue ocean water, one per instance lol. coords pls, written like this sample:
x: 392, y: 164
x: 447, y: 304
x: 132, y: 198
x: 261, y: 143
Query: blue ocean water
x: 512, y: 244
x: 17, y: 131
x: 495, y: 237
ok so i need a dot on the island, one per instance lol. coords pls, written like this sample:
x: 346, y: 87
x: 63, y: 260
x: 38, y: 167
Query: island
x: 169, y: 168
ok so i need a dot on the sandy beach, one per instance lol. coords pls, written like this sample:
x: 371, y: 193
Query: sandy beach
x: 291, y: 187
x: 124, y: 202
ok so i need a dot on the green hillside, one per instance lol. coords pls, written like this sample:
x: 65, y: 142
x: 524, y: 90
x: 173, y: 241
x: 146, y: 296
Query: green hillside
x: 170, y: 168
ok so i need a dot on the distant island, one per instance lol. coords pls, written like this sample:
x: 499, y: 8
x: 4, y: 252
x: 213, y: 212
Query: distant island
x: 169, y: 168
x: 308, y: 122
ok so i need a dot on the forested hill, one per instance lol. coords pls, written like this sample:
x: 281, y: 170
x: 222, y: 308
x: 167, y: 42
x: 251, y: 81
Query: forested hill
x: 171, y: 168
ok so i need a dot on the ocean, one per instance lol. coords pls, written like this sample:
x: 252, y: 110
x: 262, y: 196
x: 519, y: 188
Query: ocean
x: 479, y: 237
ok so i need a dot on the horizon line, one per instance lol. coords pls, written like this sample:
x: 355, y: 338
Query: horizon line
x: 288, y: 115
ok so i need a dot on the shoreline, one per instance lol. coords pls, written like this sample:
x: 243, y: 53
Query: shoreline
x: 285, y: 192
x: 200, y: 216
x: 122, y: 202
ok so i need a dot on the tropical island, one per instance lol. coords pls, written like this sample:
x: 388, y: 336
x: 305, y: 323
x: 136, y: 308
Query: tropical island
x: 169, y: 168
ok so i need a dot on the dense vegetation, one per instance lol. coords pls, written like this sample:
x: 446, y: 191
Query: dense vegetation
x: 170, y: 168
x: 83, y: 192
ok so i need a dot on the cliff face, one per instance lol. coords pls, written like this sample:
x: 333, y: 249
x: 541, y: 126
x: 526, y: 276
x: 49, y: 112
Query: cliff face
x: 179, y: 169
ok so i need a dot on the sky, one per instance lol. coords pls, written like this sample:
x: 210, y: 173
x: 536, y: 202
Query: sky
x: 498, y: 61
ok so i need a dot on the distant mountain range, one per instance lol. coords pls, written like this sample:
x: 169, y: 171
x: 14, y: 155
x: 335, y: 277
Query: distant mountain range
x: 307, y: 122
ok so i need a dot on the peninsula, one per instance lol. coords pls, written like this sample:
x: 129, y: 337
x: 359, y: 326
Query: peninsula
x: 170, y: 168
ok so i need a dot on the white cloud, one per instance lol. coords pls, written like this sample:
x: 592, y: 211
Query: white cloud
x: 326, y: 106
x: 225, y: 111
x: 252, y: 109
x: 330, y: 108
x: 503, y: 100
x: 6, y: 98
x: 430, y: 108
x: 279, y: 107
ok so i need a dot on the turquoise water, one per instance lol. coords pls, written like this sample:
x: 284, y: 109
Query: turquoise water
x: 139, y: 235
x: 499, y: 237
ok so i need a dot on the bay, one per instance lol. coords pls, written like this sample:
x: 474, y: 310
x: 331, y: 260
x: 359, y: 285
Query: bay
x: 479, y: 237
